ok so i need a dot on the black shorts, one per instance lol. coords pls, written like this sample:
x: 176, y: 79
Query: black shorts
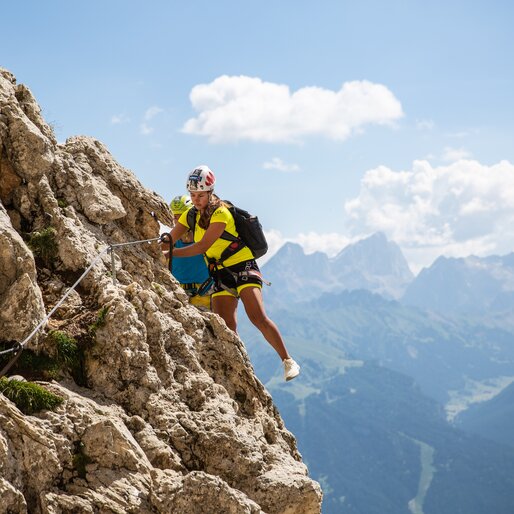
x: 231, y: 280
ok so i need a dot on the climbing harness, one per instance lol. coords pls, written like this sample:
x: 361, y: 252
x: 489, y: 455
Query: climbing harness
x: 214, y: 270
x: 207, y: 287
x: 18, y: 347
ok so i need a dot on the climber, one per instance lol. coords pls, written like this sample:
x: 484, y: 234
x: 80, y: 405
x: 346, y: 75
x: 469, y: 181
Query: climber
x: 234, y: 271
x: 191, y: 272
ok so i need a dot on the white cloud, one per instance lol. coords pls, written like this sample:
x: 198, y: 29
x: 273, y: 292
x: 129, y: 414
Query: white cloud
x: 463, y: 133
x: 232, y: 108
x: 275, y: 241
x: 455, y: 154
x: 117, y: 119
x: 152, y: 112
x: 145, y: 128
x: 454, y: 210
x: 425, y: 124
x: 331, y: 243
x: 277, y: 163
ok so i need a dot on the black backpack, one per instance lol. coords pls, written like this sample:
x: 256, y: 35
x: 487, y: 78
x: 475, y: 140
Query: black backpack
x: 248, y: 227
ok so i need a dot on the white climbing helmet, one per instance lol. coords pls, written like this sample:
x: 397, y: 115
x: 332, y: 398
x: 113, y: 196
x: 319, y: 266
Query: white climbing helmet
x: 201, y: 179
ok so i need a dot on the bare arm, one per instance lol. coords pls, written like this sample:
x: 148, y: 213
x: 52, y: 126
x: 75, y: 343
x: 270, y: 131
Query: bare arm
x: 176, y: 233
x: 211, y: 235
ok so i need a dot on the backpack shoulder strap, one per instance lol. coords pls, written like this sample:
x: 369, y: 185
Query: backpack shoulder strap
x: 191, y: 219
x: 191, y: 223
x: 236, y: 242
x: 227, y: 236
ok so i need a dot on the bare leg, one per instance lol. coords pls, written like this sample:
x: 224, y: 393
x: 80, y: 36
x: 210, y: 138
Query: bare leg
x: 226, y: 307
x: 254, y: 307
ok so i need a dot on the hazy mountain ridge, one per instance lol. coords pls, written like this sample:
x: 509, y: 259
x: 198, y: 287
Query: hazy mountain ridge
x: 453, y: 286
x: 471, y: 285
x: 374, y: 264
x: 423, y: 345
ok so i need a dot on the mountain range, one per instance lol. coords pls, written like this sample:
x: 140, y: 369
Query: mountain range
x: 403, y: 404
x: 371, y: 409
x: 374, y: 264
x: 469, y: 286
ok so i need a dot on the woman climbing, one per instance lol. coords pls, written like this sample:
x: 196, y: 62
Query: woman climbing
x: 237, y: 275
x: 191, y: 272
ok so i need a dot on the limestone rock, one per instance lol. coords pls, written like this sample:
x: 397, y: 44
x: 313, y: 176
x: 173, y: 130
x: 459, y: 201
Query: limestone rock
x: 166, y: 414
x: 19, y: 291
x: 12, y: 499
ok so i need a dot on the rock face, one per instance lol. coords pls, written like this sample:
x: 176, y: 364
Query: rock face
x: 170, y: 417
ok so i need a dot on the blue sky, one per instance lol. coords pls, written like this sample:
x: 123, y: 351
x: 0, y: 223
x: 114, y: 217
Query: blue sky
x: 330, y: 120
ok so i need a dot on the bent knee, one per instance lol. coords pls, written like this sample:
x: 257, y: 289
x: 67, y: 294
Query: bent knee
x: 259, y: 320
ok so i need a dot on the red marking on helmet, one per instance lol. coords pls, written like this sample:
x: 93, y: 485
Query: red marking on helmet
x: 209, y: 179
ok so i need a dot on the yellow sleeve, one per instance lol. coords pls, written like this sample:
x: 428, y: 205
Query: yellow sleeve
x: 222, y: 215
x: 183, y: 218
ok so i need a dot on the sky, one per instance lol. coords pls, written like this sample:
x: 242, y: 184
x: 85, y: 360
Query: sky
x: 330, y: 120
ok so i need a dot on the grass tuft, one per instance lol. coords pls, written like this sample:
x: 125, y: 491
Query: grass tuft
x: 101, y: 318
x: 68, y: 354
x: 44, y: 245
x: 29, y: 397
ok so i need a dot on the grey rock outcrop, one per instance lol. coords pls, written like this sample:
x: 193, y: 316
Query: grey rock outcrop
x: 170, y: 417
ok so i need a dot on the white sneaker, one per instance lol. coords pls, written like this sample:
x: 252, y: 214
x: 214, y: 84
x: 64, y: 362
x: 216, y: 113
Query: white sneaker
x: 291, y: 369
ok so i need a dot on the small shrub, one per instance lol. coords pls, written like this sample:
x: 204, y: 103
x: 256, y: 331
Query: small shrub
x: 44, y: 245
x: 29, y: 397
x: 67, y: 358
x: 38, y: 366
x: 100, y: 320
x: 68, y: 353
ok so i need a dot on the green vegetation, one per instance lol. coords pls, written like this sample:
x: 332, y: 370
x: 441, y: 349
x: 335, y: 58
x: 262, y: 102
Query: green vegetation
x: 44, y: 245
x: 68, y: 354
x: 67, y: 359
x: 29, y: 397
x: 101, y: 318
x: 39, y: 366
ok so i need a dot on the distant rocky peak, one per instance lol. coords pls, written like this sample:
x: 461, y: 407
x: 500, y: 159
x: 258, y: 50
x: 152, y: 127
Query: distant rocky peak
x: 375, y: 254
x: 290, y: 249
x: 465, y: 285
